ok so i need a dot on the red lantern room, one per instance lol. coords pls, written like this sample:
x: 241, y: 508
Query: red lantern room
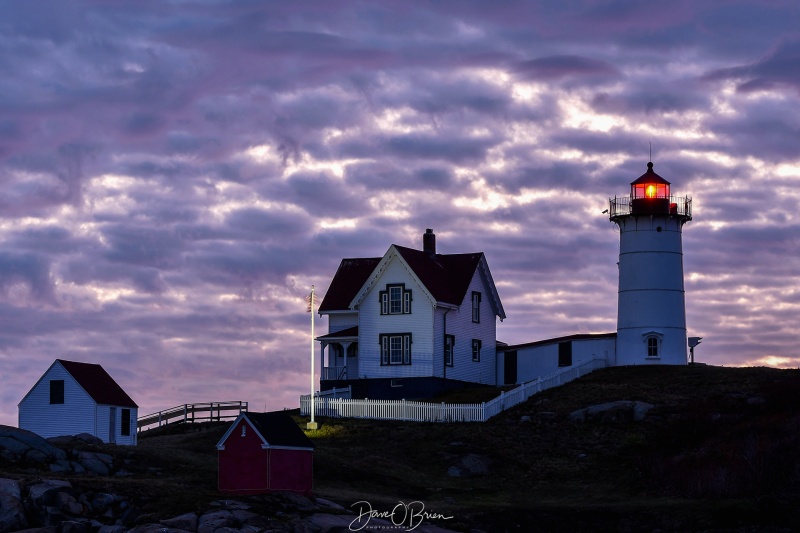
x: 650, y: 194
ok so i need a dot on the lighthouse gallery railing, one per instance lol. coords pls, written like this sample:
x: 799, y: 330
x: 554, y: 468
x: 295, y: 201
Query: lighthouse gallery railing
x: 678, y: 205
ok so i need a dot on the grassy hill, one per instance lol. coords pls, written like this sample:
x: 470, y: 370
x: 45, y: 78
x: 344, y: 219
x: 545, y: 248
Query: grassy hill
x: 719, y: 451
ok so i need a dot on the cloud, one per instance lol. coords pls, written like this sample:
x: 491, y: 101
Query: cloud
x: 176, y: 175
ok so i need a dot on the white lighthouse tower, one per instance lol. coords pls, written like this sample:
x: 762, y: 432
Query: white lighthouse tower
x: 651, y: 312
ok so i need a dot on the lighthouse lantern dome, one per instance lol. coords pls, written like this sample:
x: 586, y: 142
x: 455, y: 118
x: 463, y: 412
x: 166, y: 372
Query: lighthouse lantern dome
x: 650, y: 193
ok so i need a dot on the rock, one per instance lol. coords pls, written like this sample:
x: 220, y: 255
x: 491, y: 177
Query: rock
x: 39, y: 492
x: 12, y: 511
x: 525, y: 418
x: 214, y: 520
x: 547, y: 415
x: 70, y: 526
x: 61, y: 466
x: 322, y: 502
x: 470, y: 465
x: 103, y: 501
x: 622, y: 410
x: 187, y: 522
x: 454, y: 471
x: 332, y: 522
x: 21, y: 441
x: 94, y: 463
x: 67, y: 503
x: 299, y: 501
x: 112, y: 529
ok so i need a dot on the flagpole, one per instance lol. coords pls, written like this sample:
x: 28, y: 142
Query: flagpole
x: 312, y: 424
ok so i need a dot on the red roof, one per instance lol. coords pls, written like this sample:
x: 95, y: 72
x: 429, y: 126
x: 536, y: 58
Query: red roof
x: 446, y: 276
x: 98, y: 384
x: 349, y: 278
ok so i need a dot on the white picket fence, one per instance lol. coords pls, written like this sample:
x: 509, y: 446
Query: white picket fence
x: 328, y: 404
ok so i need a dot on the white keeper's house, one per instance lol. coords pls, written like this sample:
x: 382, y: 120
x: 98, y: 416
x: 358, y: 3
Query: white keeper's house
x: 414, y: 323
x: 411, y: 323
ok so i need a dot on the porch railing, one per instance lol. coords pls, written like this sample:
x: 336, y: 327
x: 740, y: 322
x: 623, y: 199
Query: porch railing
x: 331, y: 406
x: 344, y: 392
x: 333, y: 373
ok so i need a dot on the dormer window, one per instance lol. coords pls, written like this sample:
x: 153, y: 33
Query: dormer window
x: 395, y: 300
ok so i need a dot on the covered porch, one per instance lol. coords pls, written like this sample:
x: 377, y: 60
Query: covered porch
x: 341, y: 348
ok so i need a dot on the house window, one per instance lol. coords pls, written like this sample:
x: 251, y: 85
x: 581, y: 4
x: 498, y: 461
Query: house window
x: 395, y: 348
x: 565, y: 353
x: 476, y: 350
x: 56, y: 391
x: 125, y: 423
x: 652, y: 346
x: 449, y: 346
x: 395, y: 300
x: 476, y: 307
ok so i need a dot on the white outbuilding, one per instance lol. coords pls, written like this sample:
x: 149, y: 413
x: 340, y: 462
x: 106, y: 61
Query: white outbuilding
x: 72, y: 398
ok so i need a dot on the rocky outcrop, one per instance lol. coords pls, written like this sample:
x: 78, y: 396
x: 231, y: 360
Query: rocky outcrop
x: 12, y: 512
x: 61, y: 506
x: 619, y: 411
x: 56, y: 506
x: 22, y: 446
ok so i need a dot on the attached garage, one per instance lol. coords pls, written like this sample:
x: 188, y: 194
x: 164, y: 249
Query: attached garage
x: 265, y: 452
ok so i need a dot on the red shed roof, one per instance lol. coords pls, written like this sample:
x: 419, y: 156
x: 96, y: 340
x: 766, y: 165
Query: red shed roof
x: 97, y: 383
x: 277, y: 429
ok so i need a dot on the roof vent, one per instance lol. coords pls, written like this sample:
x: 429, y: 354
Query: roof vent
x: 429, y: 242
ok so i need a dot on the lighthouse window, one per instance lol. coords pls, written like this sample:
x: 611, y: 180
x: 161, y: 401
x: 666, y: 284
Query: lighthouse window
x: 652, y: 347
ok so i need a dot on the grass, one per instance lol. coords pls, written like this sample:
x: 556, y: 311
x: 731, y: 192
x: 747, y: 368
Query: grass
x: 719, y: 451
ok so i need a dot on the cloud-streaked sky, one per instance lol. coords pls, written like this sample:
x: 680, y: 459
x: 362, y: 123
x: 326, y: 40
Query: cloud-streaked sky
x: 177, y: 174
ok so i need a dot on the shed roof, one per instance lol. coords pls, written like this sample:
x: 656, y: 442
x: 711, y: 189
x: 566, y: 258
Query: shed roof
x: 98, y: 383
x: 575, y: 337
x: 277, y: 429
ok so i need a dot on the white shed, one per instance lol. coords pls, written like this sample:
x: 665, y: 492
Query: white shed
x: 72, y: 398
x: 521, y: 363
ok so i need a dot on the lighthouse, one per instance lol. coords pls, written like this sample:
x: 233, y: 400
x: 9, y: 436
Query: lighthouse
x: 651, y: 309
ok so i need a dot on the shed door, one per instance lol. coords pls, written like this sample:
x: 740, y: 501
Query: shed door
x: 510, y: 367
x: 112, y: 425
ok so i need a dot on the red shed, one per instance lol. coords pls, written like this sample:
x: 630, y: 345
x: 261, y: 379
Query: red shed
x: 265, y: 452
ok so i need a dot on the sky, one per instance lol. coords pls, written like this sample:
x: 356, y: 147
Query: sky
x: 175, y: 175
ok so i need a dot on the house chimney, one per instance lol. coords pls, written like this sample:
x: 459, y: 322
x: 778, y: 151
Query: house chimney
x: 429, y: 242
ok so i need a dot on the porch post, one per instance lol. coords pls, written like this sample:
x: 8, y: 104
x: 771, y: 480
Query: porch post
x: 345, y: 346
x: 322, y: 345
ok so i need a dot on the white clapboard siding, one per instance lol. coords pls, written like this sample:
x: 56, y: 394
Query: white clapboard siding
x: 372, y: 324
x: 460, y: 325
x: 76, y: 415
